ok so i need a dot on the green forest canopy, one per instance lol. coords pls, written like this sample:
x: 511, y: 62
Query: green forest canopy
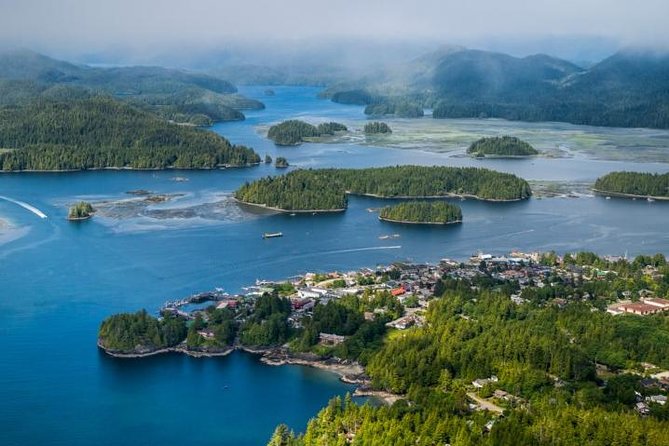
x: 434, y: 212
x: 634, y: 183
x: 501, y: 146
x: 102, y: 132
x: 80, y: 210
x: 326, y: 189
x: 377, y: 127
x: 543, y: 355
x: 294, y: 132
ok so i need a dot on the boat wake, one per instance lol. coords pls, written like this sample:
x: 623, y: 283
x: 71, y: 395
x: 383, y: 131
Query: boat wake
x: 371, y: 248
x: 24, y: 205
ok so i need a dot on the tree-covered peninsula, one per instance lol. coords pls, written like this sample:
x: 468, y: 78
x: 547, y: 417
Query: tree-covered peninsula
x: 422, y: 212
x: 501, y: 146
x: 295, y: 132
x: 140, y: 333
x: 375, y: 127
x: 634, y: 184
x: 80, y: 211
x: 101, y: 132
x: 326, y: 189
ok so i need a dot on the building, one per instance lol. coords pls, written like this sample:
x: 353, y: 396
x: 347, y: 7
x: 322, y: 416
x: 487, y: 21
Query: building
x: 482, y: 382
x: 330, y: 339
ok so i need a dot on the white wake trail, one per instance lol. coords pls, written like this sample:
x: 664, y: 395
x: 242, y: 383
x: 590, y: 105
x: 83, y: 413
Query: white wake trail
x: 24, y: 205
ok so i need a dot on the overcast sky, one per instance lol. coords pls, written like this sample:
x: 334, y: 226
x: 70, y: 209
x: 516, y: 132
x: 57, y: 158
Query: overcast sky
x: 91, y: 25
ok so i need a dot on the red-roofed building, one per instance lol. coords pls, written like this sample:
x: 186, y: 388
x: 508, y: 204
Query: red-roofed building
x: 398, y: 291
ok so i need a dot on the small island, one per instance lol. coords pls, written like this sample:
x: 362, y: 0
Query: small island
x: 80, y: 211
x: 651, y: 186
x: 501, y: 147
x: 268, y: 159
x: 422, y: 213
x: 326, y: 190
x: 376, y: 127
x: 295, y: 132
x: 281, y: 162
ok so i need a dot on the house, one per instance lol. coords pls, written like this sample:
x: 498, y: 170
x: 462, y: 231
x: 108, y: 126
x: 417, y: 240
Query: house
x: 482, y: 382
x: 206, y: 333
x: 330, y: 339
x: 642, y: 408
x: 228, y: 303
x: 657, y: 399
x: 398, y: 291
x: 311, y: 293
x: 402, y: 323
x: 657, y: 302
x: 639, y: 308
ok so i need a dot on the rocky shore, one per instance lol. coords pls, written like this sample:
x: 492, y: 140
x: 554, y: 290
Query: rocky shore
x: 348, y: 371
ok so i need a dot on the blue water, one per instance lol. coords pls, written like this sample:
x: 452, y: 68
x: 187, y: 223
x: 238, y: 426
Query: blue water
x: 59, y: 280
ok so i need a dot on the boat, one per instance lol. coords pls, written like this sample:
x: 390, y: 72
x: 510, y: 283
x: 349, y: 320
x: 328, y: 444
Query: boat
x: 650, y: 200
x: 272, y: 234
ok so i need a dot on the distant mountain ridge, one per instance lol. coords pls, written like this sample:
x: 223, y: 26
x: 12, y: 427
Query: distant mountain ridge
x: 176, y: 95
x: 628, y: 89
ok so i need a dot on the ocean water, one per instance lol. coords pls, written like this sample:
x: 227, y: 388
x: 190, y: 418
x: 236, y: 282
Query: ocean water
x: 58, y: 280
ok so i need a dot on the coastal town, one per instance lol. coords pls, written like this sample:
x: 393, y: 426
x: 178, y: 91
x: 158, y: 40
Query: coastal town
x: 403, y: 292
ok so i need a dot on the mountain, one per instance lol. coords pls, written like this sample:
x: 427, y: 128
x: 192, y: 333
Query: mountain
x: 176, y: 95
x: 628, y: 89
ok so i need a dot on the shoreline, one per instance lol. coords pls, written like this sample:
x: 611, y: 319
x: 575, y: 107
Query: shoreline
x: 177, y: 349
x: 288, y: 211
x: 399, y: 197
x: 427, y: 223
x: 349, y: 372
x: 88, y: 217
x: 135, y: 169
x: 630, y: 196
x: 434, y: 197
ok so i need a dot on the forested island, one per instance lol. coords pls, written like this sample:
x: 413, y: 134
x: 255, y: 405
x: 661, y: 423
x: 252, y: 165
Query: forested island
x: 295, y: 132
x: 422, y: 212
x: 281, y: 162
x: 327, y: 189
x: 80, y: 211
x: 400, y: 108
x: 634, y: 185
x: 375, y: 127
x: 100, y: 133
x: 501, y: 147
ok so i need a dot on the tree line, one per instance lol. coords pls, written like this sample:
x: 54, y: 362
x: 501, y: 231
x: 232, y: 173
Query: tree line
x: 101, y: 133
x: 377, y: 127
x: 422, y: 212
x: 294, y: 132
x: 501, y: 146
x: 326, y: 189
x: 634, y: 183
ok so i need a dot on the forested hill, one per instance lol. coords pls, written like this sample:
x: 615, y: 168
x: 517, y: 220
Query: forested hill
x: 634, y: 184
x: 501, y: 146
x: 103, y: 132
x: 628, y: 89
x: 326, y: 189
x: 172, y: 94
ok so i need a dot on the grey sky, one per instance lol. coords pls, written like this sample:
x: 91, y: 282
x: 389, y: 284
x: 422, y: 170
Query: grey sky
x: 88, y: 25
